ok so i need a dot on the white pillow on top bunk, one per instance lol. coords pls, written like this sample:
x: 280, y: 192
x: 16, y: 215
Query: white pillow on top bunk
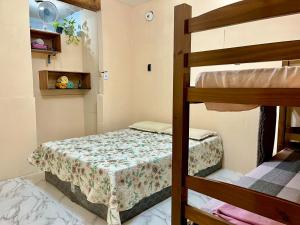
x: 195, y: 134
x: 151, y: 126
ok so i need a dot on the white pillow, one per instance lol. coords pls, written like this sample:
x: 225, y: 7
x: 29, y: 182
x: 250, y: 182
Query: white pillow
x: 150, y: 126
x: 196, y: 134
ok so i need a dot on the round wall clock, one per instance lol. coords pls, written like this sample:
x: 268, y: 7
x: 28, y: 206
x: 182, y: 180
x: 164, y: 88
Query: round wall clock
x: 149, y: 16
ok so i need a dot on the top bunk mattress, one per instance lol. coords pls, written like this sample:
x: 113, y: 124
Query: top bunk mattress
x: 118, y: 169
x: 283, y: 77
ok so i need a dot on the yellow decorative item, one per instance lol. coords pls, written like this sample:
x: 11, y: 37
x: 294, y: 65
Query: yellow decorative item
x: 63, y: 79
x: 62, y: 82
x: 61, y: 85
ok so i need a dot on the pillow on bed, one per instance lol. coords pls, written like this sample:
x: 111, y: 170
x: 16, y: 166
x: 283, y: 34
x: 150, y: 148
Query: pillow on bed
x: 195, y: 134
x: 151, y: 126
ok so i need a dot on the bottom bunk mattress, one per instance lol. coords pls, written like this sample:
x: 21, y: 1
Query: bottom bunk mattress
x: 278, y: 177
x: 119, y: 169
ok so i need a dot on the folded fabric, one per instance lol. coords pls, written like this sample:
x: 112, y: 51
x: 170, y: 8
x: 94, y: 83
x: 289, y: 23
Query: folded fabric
x: 283, y: 77
x: 239, y: 216
x: 38, y: 46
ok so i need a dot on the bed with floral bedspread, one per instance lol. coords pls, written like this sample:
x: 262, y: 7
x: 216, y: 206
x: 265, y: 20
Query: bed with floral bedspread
x: 119, y: 169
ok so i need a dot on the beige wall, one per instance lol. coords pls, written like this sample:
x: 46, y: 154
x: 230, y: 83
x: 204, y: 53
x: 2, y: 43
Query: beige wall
x: 17, y: 104
x: 131, y: 93
x: 152, y: 92
x: 60, y: 117
x: 116, y: 93
x: 92, y: 48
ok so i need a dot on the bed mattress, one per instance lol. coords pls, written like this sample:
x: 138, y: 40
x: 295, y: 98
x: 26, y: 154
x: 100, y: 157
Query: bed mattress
x: 283, y: 77
x: 74, y: 193
x: 119, y: 169
x: 279, y: 177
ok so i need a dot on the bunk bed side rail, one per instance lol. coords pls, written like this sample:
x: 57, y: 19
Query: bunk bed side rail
x: 253, y: 201
x: 242, y: 12
x: 252, y: 96
x: 278, y: 51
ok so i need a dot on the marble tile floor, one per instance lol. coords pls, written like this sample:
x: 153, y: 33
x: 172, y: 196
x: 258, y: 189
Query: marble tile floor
x: 32, y: 201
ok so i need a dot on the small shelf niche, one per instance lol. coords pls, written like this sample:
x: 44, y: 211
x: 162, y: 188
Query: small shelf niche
x: 48, y: 80
x: 51, y: 39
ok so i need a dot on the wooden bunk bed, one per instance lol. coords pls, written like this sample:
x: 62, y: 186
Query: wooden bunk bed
x: 183, y: 95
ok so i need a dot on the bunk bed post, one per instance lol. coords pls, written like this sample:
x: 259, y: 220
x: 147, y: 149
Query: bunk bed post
x: 284, y: 122
x: 281, y: 128
x: 181, y: 82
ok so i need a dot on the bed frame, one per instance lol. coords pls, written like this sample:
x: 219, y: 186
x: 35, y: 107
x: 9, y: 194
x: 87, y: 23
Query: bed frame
x: 74, y: 194
x: 184, y: 95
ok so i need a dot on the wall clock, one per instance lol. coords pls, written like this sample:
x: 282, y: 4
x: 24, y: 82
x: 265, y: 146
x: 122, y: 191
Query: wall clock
x: 149, y: 16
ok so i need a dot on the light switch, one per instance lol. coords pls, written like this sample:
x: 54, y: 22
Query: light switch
x: 105, y: 75
x: 149, y: 67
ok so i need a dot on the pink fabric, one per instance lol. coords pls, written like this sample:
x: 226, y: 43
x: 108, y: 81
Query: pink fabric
x: 239, y: 216
x: 283, y: 77
x: 39, y: 46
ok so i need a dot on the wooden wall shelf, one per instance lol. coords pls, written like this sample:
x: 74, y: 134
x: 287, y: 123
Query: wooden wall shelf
x: 48, y: 80
x: 53, y: 40
x: 62, y: 92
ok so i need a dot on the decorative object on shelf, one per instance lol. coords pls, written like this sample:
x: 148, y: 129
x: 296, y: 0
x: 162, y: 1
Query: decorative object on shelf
x: 70, y: 85
x: 61, y: 85
x: 39, y: 44
x: 50, y: 39
x: 53, y: 82
x: 62, y: 82
x: 63, y: 79
x: 39, y: 41
x: 48, y: 12
x: 69, y: 26
x: 58, y: 27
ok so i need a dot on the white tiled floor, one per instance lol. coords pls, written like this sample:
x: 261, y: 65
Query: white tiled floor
x: 157, y: 215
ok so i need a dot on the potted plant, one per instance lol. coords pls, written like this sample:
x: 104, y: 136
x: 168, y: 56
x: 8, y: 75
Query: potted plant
x: 69, y: 27
x: 58, y: 27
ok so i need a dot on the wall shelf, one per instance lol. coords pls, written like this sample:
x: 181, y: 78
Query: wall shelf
x: 53, y: 40
x: 62, y: 92
x: 48, y: 78
x: 48, y: 52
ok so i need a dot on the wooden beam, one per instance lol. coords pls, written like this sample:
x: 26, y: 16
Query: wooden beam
x: 295, y: 130
x: 265, y: 205
x: 293, y: 137
x: 288, y: 50
x: 203, y: 218
x: 181, y: 111
x: 242, y: 12
x: 94, y: 5
x: 248, y: 96
x: 292, y: 63
x: 281, y: 128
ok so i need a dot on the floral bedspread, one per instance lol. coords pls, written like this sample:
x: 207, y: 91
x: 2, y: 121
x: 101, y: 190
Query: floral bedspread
x: 121, y: 168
